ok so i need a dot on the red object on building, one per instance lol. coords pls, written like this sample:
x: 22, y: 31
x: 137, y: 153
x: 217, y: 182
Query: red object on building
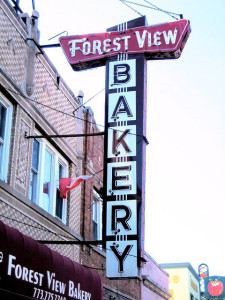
x: 67, y: 184
x: 156, y: 42
x: 215, y: 288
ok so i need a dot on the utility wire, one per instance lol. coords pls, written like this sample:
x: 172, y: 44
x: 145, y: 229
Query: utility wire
x: 45, y: 229
x: 52, y: 232
x: 95, y: 174
x: 40, y: 228
x: 52, y: 108
x: 73, y: 116
x: 89, y: 100
x: 162, y: 10
x: 154, y: 7
x: 58, y: 35
x: 123, y: 1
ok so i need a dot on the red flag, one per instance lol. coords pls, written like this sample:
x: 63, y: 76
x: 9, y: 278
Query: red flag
x: 67, y: 184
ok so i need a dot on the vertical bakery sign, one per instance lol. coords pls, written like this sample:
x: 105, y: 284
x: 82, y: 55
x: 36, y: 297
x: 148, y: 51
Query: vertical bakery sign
x: 125, y: 49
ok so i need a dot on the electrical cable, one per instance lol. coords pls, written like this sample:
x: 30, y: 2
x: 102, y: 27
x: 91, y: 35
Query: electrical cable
x: 52, y: 108
x: 89, y: 100
x: 162, y: 10
x: 73, y: 116
x: 154, y: 8
x: 45, y: 229
x: 123, y: 1
x: 171, y: 14
x: 58, y: 35
x: 100, y: 269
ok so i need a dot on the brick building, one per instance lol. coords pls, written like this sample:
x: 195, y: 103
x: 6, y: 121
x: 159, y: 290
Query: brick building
x: 35, y: 102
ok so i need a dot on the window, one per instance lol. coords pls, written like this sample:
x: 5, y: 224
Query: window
x: 191, y: 297
x: 97, y: 216
x: 34, y: 171
x: 59, y: 201
x: 5, y: 134
x: 48, y: 166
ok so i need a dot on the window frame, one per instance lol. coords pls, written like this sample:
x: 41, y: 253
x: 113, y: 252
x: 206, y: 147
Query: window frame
x: 35, y: 173
x: 7, y: 138
x: 97, y: 206
x: 44, y: 146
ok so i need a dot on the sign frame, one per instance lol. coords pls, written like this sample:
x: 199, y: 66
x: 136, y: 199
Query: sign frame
x: 125, y: 114
x: 162, y: 41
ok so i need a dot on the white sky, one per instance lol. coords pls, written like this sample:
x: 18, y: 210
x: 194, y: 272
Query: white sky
x: 185, y: 183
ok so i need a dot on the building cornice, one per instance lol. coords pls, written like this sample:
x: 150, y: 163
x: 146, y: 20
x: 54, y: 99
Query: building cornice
x: 154, y: 287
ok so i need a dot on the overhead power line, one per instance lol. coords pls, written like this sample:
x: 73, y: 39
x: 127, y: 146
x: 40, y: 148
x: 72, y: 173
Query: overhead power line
x: 69, y: 241
x: 151, y: 6
x: 124, y: 2
x: 75, y: 117
x: 89, y: 100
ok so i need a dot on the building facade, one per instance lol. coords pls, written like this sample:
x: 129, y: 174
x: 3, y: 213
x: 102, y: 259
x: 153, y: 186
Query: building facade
x: 183, y: 281
x: 35, y: 104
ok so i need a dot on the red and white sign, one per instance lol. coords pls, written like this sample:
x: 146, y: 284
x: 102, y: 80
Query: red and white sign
x: 157, y: 42
x: 124, y: 49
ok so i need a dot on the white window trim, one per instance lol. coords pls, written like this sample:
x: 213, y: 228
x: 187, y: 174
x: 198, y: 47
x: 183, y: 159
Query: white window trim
x: 56, y: 157
x: 99, y: 213
x: 6, y: 144
x: 65, y: 174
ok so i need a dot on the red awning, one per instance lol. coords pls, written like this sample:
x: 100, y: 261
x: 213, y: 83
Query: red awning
x: 31, y: 269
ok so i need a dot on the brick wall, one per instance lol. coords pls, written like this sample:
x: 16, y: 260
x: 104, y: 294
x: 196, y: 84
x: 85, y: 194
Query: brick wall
x: 90, y: 256
x: 93, y: 163
x: 50, y: 111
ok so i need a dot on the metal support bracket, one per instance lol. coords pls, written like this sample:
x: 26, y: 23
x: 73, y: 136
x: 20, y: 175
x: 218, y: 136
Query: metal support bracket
x: 99, y: 242
x: 61, y: 135
x: 42, y: 46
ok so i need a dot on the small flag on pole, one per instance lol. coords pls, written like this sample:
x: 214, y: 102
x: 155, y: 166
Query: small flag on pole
x: 67, y: 184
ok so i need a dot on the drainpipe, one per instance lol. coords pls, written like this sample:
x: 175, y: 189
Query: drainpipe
x: 32, y: 35
x: 85, y: 170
